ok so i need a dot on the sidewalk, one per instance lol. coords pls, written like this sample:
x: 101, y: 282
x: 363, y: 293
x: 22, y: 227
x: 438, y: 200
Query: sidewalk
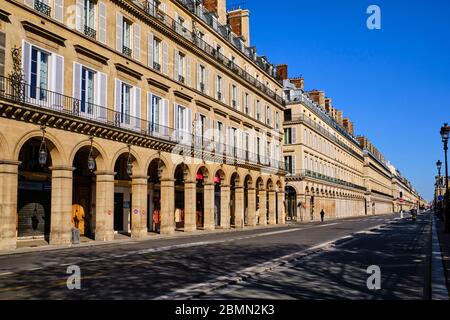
x: 27, y: 246
x: 444, y: 242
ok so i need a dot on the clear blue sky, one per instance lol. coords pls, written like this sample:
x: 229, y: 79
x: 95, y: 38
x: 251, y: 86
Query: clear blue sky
x: 394, y: 83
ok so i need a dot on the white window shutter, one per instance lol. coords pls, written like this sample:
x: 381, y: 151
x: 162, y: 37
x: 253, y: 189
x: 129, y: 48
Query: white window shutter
x: 176, y: 125
x: 164, y: 121
x: 29, y: 3
x: 102, y: 22
x: 119, y: 26
x: 118, y: 94
x: 59, y: 10
x: 231, y: 96
x: 294, y: 135
x: 77, y: 80
x: 238, y: 98
x: 206, y: 81
x: 216, y: 86
x: 137, y: 42
x: 188, y: 71
x: 176, y: 62
x: 198, y: 77
x: 165, y: 66
x: 293, y: 165
x: 150, y: 49
x: 102, y: 95
x: 222, y: 89
x: 137, y: 107
x: 149, y: 108
x: 250, y: 112
x: 58, y: 73
x: 26, y: 61
x: 80, y: 15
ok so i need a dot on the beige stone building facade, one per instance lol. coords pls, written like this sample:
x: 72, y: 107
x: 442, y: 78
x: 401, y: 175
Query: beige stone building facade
x: 325, y: 163
x: 330, y: 169
x: 378, y: 180
x: 135, y: 117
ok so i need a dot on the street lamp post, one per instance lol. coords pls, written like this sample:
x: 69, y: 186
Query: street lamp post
x: 445, y: 131
x: 438, y: 186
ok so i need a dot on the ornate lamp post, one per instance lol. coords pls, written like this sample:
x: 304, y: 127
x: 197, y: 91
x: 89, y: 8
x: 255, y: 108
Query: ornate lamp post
x: 43, y: 150
x: 91, y: 159
x: 129, y: 162
x: 438, y: 186
x: 445, y: 132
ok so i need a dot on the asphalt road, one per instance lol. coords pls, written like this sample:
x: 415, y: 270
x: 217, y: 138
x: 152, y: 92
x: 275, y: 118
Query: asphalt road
x: 235, y: 265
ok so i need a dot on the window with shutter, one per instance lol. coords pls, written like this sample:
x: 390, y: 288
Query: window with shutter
x: 102, y: 22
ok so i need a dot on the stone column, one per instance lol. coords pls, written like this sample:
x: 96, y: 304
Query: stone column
x: 263, y: 207
x: 167, y: 207
x: 104, y: 213
x: 251, y: 194
x: 225, y: 198
x: 190, y: 206
x: 8, y: 204
x: 281, y: 208
x: 61, y: 214
x: 239, y: 210
x: 208, y: 203
x: 272, y: 207
x: 139, y: 191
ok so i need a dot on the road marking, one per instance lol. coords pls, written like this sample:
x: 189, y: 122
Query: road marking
x: 191, y: 291
x: 5, y: 273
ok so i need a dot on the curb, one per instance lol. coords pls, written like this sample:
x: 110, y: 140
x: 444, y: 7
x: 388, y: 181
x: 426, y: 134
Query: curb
x: 439, y: 289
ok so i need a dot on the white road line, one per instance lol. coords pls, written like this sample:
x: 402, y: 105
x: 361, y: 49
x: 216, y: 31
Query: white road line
x: 222, y: 281
x: 5, y: 274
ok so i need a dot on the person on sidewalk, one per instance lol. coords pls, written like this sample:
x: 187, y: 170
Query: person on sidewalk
x: 322, y: 215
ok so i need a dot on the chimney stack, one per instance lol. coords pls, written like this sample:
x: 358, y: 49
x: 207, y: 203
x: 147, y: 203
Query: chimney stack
x: 338, y: 117
x: 239, y: 20
x: 318, y: 97
x: 219, y: 7
x: 282, y: 72
x: 299, y: 83
x: 348, y: 125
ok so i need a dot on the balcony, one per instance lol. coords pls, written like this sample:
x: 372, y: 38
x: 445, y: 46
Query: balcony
x: 305, y: 119
x: 315, y: 175
x: 42, y: 8
x: 193, y: 38
x: 90, y: 32
x: 67, y: 109
x: 127, y: 51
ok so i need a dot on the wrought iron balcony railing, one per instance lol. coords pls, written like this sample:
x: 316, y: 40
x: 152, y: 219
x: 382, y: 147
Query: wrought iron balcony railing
x: 90, y: 32
x: 127, y: 51
x: 42, y: 7
x: 157, y: 66
x: 307, y: 120
x: 320, y: 176
x: 46, y: 100
x: 194, y: 38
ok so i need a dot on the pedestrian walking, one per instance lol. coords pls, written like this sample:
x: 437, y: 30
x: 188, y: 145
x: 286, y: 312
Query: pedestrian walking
x: 322, y: 215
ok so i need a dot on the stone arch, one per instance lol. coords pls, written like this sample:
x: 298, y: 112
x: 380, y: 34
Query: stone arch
x: 53, y: 146
x: 237, y: 178
x: 259, y: 185
x: 166, y: 165
x: 203, y: 169
x: 101, y: 159
x: 248, y: 181
x: 137, y: 161
x: 269, y: 185
x: 161, y: 163
x: 219, y: 172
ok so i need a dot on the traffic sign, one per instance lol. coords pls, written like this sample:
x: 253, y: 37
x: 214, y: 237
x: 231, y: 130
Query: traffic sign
x: 441, y: 198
